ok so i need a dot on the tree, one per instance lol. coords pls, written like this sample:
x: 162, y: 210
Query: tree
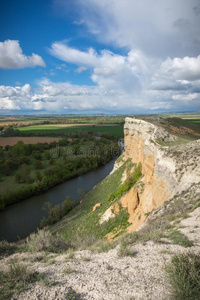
x: 81, y: 193
x: 37, y: 154
x: 38, y: 164
x: 23, y: 175
x: 38, y: 175
x: 67, y: 206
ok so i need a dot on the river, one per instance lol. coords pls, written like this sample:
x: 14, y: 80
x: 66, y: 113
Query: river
x: 18, y: 220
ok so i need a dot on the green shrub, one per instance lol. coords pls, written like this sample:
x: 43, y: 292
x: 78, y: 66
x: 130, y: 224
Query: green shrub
x: 45, y: 241
x: 23, y: 174
x: 125, y: 249
x: 72, y: 295
x: 67, y: 206
x: 56, y: 212
x: 102, y: 246
x: 179, y: 238
x: 7, y: 248
x: 183, y: 274
x: 111, y: 197
x: 16, y: 279
x: 128, y: 184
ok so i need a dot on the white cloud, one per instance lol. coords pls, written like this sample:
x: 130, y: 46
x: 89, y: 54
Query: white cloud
x: 124, y: 83
x: 188, y: 97
x: 161, y: 69
x: 11, y: 56
x: 187, y: 68
x: 81, y: 22
x: 75, y: 56
x: 80, y: 70
x: 161, y: 28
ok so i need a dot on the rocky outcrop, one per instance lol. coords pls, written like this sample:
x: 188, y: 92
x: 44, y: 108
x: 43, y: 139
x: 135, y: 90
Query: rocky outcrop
x: 166, y: 171
x: 98, y: 205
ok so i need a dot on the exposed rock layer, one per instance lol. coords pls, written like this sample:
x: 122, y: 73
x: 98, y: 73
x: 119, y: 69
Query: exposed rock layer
x: 167, y: 171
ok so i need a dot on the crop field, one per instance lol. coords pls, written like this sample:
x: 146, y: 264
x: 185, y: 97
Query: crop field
x: 196, y: 121
x: 116, y: 130
x: 10, y: 141
x: 60, y: 119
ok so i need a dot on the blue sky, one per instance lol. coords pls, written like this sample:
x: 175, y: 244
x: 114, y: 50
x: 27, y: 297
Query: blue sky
x: 110, y: 56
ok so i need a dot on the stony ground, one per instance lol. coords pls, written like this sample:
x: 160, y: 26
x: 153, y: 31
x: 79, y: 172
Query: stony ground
x: 105, y: 276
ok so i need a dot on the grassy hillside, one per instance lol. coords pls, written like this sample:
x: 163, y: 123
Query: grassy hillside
x: 82, y: 224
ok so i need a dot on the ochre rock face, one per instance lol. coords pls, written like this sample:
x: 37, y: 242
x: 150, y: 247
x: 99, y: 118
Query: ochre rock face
x: 96, y: 206
x: 161, y: 175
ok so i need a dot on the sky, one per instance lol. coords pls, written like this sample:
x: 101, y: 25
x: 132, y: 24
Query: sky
x: 92, y: 56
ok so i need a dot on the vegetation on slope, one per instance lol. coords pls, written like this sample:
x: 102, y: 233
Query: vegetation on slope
x: 82, y: 224
x: 183, y: 274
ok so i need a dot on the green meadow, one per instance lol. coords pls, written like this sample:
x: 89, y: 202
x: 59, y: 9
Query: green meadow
x: 116, y: 130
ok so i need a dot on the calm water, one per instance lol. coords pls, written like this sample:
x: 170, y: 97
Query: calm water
x: 19, y: 220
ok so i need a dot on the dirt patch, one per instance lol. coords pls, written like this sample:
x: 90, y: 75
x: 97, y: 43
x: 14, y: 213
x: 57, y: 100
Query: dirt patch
x: 27, y: 140
x: 74, y: 125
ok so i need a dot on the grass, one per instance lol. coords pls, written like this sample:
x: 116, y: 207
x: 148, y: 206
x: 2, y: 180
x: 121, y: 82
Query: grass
x: 7, y: 249
x: 128, y: 184
x: 161, y: 227
x: 16, y: 278
x: 76, y: 226
x: 68, y: 270
x: 70, y: 254
x: 183, y: 274
x: 102, y: 246
x: 45, y: 241
x: 178, y: 238
x: 72, y: 295
x: 116, y: 130
x: 125, y: 249
x: 193, y: 120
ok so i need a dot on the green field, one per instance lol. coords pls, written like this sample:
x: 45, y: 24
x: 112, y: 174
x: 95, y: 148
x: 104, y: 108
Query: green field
x: 43, y: 129
x: 196, y: 121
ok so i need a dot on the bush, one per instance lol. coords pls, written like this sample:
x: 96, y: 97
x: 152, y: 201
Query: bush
x: 38, y: 164
x: 179, y: 238
x: 45, y: 241
x: 183, y: 274
x: 23, y: 175
x: 67, y: 206
x: 56, y: 212
x: 125, y: 249
x: 128, y: 184
x: 16, y: 279
x: 7, y: 248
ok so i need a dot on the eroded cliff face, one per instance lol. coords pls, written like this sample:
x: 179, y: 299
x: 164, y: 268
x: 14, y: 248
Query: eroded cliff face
x: 166, y: 171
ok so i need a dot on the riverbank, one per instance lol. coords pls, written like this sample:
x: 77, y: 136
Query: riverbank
x: 32, y: 169
x: 18, y: 220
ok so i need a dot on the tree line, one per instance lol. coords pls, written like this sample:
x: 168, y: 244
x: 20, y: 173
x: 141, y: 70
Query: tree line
x: 36, y: 171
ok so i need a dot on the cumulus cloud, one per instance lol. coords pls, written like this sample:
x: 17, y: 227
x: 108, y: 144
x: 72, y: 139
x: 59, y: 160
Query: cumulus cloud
x: 62, y: 51
x: 187, y: 68
x: 161, y: 28
x: 160, y: 70
x: 188, y: 97
x: 12, y: 57
x: 123, y: 83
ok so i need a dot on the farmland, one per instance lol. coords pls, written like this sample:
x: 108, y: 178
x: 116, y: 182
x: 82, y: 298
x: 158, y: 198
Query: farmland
x: 10, y: 141
x: 42, y: 130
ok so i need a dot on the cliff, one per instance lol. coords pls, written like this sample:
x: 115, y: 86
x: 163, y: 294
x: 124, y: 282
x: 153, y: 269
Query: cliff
x: 167, y: 171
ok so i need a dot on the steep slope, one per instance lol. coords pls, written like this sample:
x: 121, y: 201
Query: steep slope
x: 167, y: 171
